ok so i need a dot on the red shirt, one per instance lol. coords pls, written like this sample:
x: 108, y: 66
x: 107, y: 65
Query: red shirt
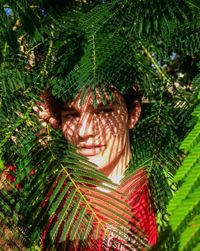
x: 136, y: 191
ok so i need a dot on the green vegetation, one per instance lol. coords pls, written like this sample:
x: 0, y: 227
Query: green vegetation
x: 65, y: 45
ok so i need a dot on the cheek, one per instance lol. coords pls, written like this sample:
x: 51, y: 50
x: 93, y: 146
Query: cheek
x: 69, y: 129
x: 114, y: 124
x: 105, y: 127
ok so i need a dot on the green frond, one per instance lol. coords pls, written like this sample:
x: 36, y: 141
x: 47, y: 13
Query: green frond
x: 196, y: 248
x: 190, y: 237
x: 189, y: 163
x: 184, y: 213
x: 77, y: 205
x: 183, y: 207
x: 70, y: 46
x: 190, y: 142
x: 190, y: 183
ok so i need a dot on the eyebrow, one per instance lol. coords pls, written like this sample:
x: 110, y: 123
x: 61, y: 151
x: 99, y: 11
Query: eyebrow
x: 68, y: 108
x: 108, y: 103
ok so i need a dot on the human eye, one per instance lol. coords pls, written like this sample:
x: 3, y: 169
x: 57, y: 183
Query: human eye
x: 70, y: 115
x: 104, y: 110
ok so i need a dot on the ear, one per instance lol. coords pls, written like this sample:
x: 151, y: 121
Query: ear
x: 134, y: 114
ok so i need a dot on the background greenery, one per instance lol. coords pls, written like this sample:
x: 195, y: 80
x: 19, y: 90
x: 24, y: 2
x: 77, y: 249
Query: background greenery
x: 66, y: 45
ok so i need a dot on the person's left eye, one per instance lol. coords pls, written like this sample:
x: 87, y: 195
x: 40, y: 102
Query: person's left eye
x: 70, y: 115
x: 105, y: 110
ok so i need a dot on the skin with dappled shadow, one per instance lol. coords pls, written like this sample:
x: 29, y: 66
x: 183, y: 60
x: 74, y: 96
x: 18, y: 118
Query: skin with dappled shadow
x: 100, y: 131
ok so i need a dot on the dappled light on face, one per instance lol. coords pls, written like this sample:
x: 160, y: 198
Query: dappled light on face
x: 100, y: 132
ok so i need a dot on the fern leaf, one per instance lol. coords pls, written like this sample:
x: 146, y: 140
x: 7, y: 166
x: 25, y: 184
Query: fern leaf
x: 70, y: 221
x: 77, y: 225
x: 62, y: 215
x: 190, y: 237
x: 60, y: 198
x: 189, y: 163
x: 193, y: 138
x: 191, y: 180
x: 185, y: 210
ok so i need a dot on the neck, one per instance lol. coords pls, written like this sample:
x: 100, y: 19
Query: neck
x: 118, y: 172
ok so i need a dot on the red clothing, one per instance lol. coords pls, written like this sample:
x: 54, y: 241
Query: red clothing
x: 136, y: 190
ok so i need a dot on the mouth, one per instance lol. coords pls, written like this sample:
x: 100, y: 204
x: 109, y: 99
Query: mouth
x: 90, y: 150
x: 90, y: 146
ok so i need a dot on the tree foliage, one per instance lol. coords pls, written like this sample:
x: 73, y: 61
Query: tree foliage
x: 70, y: 45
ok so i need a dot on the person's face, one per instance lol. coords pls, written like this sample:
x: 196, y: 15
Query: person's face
x: 101, y: 133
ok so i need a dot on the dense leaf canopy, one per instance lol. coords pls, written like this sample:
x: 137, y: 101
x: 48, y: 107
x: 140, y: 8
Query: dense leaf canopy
x: 68, y: 46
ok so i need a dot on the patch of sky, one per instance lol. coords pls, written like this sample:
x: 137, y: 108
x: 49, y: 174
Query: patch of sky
x: 43, y: 13
x: 8, y: 11
x: 173, y: 56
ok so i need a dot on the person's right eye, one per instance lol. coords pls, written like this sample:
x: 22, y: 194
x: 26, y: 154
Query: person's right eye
x: 104, y: 110
x: 70, y: 115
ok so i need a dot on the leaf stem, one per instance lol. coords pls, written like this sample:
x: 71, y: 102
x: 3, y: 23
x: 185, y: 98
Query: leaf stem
x: 44, y: 71
x: 94, y: 55
x: 158, y: 68
x: 83, y: 198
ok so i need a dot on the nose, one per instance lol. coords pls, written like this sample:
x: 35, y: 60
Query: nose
x: 85, y: 126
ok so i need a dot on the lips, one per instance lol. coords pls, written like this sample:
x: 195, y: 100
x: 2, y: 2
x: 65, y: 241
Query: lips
x: 89, y: 146
x: 90, y: 150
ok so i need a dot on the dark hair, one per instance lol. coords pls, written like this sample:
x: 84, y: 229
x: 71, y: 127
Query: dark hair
x: 130, y: 95
x: 55, y: 106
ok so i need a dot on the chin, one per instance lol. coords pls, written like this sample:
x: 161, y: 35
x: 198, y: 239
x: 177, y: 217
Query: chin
x: 99, y: 161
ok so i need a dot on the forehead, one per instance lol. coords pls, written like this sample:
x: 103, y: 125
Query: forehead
x: 84, y: 101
